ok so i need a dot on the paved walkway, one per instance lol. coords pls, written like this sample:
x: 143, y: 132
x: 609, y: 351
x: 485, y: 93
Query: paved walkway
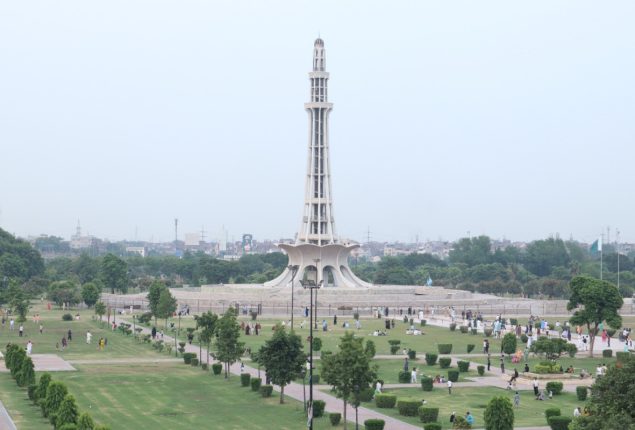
x: 6, y: 423
x: 127, y: 361
x: 46, y: 363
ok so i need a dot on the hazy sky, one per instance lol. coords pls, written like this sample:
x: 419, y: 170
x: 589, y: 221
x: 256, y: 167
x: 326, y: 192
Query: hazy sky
x: 503, y: 118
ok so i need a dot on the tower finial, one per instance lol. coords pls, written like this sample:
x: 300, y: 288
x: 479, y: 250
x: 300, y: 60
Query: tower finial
x: 319, y: 56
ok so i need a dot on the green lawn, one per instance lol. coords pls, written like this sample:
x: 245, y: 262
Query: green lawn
x: 578, y: 363
x: 530, y: 412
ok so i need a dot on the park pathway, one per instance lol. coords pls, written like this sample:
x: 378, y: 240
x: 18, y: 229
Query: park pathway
x: 6, y: 423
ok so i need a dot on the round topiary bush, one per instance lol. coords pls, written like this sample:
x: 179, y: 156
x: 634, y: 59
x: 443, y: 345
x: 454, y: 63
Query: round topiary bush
x: 607, y: 353
x: 408, y: 407
x: 217, y: 368
x: 394, y: 349
x: 404, y: 377
x: 524, y: 338
x: 412, y: 354
x: 194, y: 361
x: 432, y: 426
x: 67, y: 317
x: 31, y: 390
x: 452, y: 326
x: 255, y: 384
x: 335, y: 418
x: 464, y: 366
x: 428, y: 415
x: 444, y: 362
x: 431, y: 359
x: 204, y: 366
x: 481, y: 370
x: 374, y: 424
x: 487, y: 332
x: 245, y: 379
x: 187, y: 357
x: 470, y: 347
x: 318, y: 408
x: 453, y: 375
x: 463, y: 328
x: 555, y: 387
x: 266, y: 390
x: 445, y: 348
x: 581, y: 392
x: 385, y: 401
x: 552, y: 412
x: 423, y: 323
x: 427, y: 383
x: 622, y: 357
x: 559, y: 422
x: 317, y: 344
x: 394, y: 342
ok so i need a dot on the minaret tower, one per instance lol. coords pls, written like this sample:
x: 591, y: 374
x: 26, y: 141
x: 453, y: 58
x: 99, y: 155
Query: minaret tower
x: 317, y: 253
x: 318, y: 223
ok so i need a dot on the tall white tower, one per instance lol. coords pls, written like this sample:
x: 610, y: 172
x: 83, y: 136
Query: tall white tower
x: 318, y: 253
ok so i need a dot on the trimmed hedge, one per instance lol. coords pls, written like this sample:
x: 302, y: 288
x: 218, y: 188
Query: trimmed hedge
x: 394, y: 349
x: 428, y: 415
x: 432, y: 426
x: 374, y: 424
x: 408, y: 407
x: 255, y: 384
x: 194, y: 361
x: 217, y: 368
x: 204, y: 366
x: 452, y: 326
x: 318, y: 408
x: 463, y: 329
x: 427, y: 383
x: 431, y: 359
x: 555, y: 387
x: 423, y: 323
x: 385, y: 401
x: 266, y: 390
x: 607, y: 353
x: 445, y: 348
x: 481, y: 370
x: 559, y: 422
x: 188, y: 356
x: 487, y: 332
x: 404, y: 377
x: 412, y: 354
x: 474, y: 331
x: 464, y: 366
x: 244, y: 379
x: 317, y: 344
x: 552, y: 412
x: 453, y: 375
x: 622, y: 357
x: 470, y: 347
x: 581, y: 392
x: 444, y: 362
x: 335, y: 418
x: 394, y: 342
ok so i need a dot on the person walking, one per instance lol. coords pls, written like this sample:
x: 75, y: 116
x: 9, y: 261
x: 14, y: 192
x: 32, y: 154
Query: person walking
x: 12, y: 324
x: 502, y: 364
x: 405, y: 364
x: 449, y: 387
x: 516, y: 400
x: 21, y: 330
x: 413, y: 376
x: 535, y: 384
x: 29, y: 347
x: 89, y: 336
x: 489, y: 362
x: 41, y: 328
x: 70, y: 335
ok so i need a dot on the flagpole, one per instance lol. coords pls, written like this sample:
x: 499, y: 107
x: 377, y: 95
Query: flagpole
x: 617, y: 246
x: 601, y: 255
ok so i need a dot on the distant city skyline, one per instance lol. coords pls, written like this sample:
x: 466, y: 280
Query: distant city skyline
x: 500, y: 119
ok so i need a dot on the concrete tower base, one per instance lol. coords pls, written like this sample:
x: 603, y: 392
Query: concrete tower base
x: 331, y: 260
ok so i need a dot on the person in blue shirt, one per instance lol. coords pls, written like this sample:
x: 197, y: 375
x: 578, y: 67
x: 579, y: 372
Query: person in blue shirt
x: 469, y: 418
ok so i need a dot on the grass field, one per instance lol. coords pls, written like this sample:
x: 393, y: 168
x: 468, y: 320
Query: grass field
x: 578, y: 363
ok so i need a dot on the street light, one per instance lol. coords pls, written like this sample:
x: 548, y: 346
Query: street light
x: 319, y: 282
x: 294, y: 270
x: 311, y: 285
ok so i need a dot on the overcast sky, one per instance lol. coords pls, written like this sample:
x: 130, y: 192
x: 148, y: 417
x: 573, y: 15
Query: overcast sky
x: 502, y: 118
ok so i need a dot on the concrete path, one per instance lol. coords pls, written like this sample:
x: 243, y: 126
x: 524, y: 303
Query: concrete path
x: 46, y: 363
x: 6, y: 423
x: 127, y: 361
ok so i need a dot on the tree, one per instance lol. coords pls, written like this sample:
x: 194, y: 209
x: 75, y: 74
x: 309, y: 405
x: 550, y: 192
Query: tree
x: 85, y: 422
x: 67, y: 412
x: 114, y: 273
x: 228, y: 348
x: 90, y: 293
x: 19, y: 302
x: 348, y: 371
x: 43, y: 383
x: 100, y: 309
x: 166, y: 306
x: 282, y: 357
x: 552, y: 348
x: 509, y: 343
x: 472, y: 251
x: 87, y: 268
x: 26, y: 375
x: 594, y: 302
x: 64, y: 292
x: 55, y: 393
x: 154, y: 293
x: 499, y: 414
x: 206, y: 323
x: 542, y: 255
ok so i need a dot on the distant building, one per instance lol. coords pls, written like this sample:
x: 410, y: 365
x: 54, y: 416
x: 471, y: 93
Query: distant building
x: 140, y: 250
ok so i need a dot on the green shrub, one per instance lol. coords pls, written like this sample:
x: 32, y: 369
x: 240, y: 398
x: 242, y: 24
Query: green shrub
x: 318, y: 408
x: 572, y: 350
x: 464, y: 366
x: 356, y: 316
x: 385, y: 401
x: 423, y: 323
x: 204, y: 366
x: 487, y: 332
x: 55, y: 393
x: 394, y: 349
x: 194, y: 361
x: 470, y: 347
x: 452, y: 326
x: 217, y: 368
x: 40, y: 393
x: 474, y: 331
x: 453, y: 375
x: 552, y: 412
x: 145, y: 317
x: 412, y: 354
x: 85, y: 422
x: 266, y: 390
x: 445, y: 348
x: 559, y: 422
x: 463, y: 329
x: 255, y: 384
x: 499, y: 414
x: 404, y: 377
x: 68, y: 426
x: 513, y: 321
x: 481, y: 370
x: 581, y: 392
x: 427, y: 383
x: 555, y: 387
x: 335, y: 418
x: 622, y: 357
x: 31, y: 390
x: 432, y: 426
x: 431, y: 359
x: 509, y: 343
x: 408, y: 407
x: 394, y: 342
x: 374, y: 424
x: 67, y: 412
x: 187, y: 357
x: 524, y: 338
x: 428, y: 415
x: 461, y: 423
x: 370, y: 348
x: 244, y: 379
x: 317, y: 344
x: 607, y: 353
x: 444, y: 362
x: 366, y: 395
x: 545, y: 367
x: 67, y: 317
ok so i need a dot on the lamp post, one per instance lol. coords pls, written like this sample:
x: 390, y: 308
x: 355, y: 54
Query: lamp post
x: 311, y: 285
x: 294, y: 270
x: 318, y: 282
